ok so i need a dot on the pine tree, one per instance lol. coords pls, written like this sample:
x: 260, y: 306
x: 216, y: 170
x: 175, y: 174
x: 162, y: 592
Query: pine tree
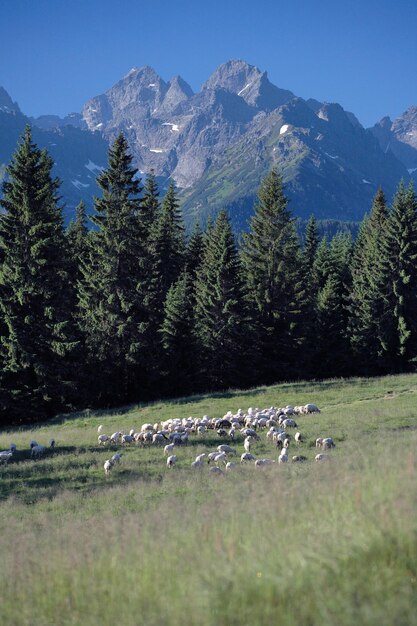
x: 370, y: 286
x: 113, y: 314
x: 272, y: 262
x: 150, y: 208
x: 332, y: 354
x: 77, y: 236
x: 311, y: 242
x: 223, y: 327
x: 168, y: 244
x: 178, y: 340
x: 194, y: 251
x: 400, y: 267
x: 38, y: 342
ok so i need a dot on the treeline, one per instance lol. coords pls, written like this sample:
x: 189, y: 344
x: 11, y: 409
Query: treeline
x: 132, y: 309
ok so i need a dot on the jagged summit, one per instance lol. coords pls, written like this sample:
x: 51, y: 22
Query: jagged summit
x: 6, y: 103
x: 248, y: 82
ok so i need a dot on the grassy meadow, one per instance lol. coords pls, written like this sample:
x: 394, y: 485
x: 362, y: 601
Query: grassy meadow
x: 331, y: 543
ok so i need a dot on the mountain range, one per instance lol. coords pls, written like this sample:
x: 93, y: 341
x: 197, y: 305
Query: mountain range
x: 218, y: 144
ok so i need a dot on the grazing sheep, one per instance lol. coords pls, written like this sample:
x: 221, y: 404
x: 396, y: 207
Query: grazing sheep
x: 230, y: 465
x: 108, y: 465
x: 103, y: 439
x: 262, y: 462
x: 116, y: 457
x: 283, y: 457
x: 201, y: 457
x: 247, y: 444
x: 321, y: 457
x: 299, y: 459
x: 212, y: 456
x: 169, y: 448
x: 298, y: 438
x: 289, y: 423
x: 197, y: 463
x: 247, y: 456
x: 5, y: 456
x: 171, y: 460
x: 216, y: 470
x: 33, y: 443
x: 127, y: 439
x: 311, y: 408
x: 115, y: 437
x: 100, y: 428
x: 225, y: 448
x: 319, y: 441
x: 52, y: 443
x: 158, y: 439
x: 328, y: 443
x: 220, y: 458
x: 37, y: 451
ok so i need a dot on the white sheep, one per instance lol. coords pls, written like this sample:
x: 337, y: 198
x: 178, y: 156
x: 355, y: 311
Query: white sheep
x: 298, y: 438
x: 127, y: 439
x: 169, y: 448
x: 108, y: 465
x: 216, y: 470
x: 115, y: 437
x: 225, y: 448
x: 171, y: 460
x: 328, y: 443
x: 116, y: 457
x: 5, y: 456
x: 201, y: 457
x: 100, y: 428
x: 230, y: 465
x: 289, y: 423
x: 321, y: 457
x: 103, y: 439
x: 247, y: 444
x: 311, y: 408
x: 37, y: 451
x: 247, y: 456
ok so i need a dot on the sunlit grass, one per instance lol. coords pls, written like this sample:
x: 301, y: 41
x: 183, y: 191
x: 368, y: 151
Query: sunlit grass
x: 331, y: 543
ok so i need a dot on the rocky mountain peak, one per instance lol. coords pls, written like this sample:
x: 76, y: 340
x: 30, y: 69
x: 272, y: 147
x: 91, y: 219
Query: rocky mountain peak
x: 248, y: 82
x: 6, y: 103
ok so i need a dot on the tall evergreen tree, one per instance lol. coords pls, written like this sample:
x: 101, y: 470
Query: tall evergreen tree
x: 222, y: 322
x: 400, y: 266
x: 113, y: 314
x: 38, y: 342
x: 178, y: 338
x: 168, y: 243
x: 194, y: 250
x: 77, y: 235
x: 369, y: 301
x: 332, y: 354
x: 150, y: 208
x: 272, y: 261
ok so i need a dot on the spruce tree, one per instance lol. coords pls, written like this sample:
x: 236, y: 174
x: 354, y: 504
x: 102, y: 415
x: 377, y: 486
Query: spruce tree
x: 223, y: 328
x: 194, y: 250
x: 332, y: 354
x: 178, y: 340
x: 77, y: 236
x: 400, y: 267
x: 113, y: 314
x: 369, y: 301
x: 168, y: 244
x: 38, y: 343
x: 150, y: 207
x: 272, y: 261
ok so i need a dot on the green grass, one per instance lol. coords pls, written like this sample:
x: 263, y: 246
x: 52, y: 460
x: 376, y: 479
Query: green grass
x: 317, y: 544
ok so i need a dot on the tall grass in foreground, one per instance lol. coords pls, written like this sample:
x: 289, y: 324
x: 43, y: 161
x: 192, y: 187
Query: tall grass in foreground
x: 328, y: 544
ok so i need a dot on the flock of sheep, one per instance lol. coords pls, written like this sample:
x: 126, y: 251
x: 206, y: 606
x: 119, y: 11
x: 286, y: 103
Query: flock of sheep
x: 233, y: 429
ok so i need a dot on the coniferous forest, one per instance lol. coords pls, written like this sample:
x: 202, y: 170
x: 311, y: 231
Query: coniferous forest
x: 133, y: 309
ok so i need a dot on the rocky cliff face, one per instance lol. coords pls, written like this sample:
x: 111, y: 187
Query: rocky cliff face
x: 400, y: 138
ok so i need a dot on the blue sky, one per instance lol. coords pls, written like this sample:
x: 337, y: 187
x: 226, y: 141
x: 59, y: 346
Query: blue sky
x: 56, y: 54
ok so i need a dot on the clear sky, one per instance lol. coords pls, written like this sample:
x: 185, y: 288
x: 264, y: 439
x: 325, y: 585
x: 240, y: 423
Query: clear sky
x: 56, y: 54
